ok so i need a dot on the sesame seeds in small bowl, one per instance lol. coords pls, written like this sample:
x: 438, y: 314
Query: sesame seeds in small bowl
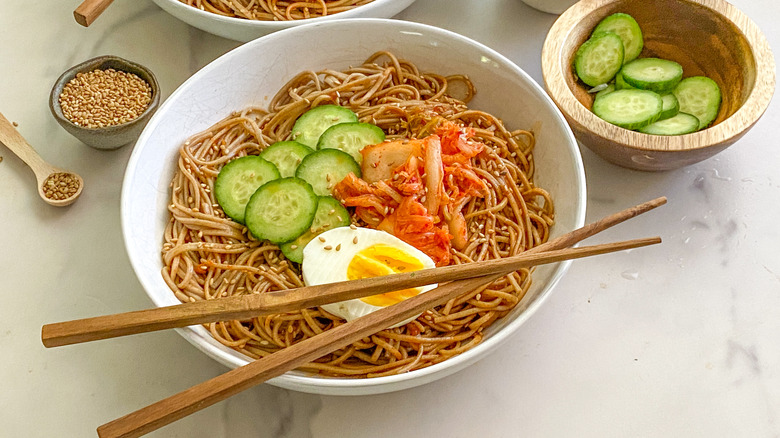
x: 105, y: 102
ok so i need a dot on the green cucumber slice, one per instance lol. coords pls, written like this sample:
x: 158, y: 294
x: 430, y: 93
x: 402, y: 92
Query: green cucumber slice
x: 330, y: 214
x: 286, y: 156
x: 630, y: 109
x: 699, y: 96
x: 351, y: 138
x: 627, y: 29
x: 682, y: 123
x: 621, y: 83
x: 324, y: 168
x: 238, y: 180
x: 670, y: 106
x: 599, y: 59
x: 610, y: 88
x: 654, y: 74
x: 281, y: 210
x: 311, y: 124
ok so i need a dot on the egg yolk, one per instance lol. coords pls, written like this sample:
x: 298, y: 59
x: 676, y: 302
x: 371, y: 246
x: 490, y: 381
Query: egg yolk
x: 377, y: 260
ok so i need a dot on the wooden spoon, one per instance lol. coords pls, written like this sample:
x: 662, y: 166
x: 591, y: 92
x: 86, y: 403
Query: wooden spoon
x: 48, y: 176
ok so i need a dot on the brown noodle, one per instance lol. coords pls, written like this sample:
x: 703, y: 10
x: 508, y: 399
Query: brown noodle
x: 207, y: 256
x: 275, y: 10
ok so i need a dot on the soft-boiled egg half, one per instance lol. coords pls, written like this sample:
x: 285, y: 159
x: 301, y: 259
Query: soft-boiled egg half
x: 348, y: 253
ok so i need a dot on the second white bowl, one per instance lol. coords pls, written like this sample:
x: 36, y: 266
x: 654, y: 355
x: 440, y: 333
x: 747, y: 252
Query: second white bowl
x: 240, y: 29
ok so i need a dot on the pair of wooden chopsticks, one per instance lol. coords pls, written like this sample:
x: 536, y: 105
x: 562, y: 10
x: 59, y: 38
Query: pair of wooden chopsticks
x: 89, y: 10
x: 460, y: 279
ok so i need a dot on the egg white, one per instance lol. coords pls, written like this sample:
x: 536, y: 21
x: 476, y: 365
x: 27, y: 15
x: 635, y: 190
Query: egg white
x: 322, y: 266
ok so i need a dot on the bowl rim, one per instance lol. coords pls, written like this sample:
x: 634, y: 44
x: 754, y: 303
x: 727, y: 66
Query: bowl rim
x: 273, y: 25
x: 351, y: 386
x: 731, y: 128
x: 96, y: 63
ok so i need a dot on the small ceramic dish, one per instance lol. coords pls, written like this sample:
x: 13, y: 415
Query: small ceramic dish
x: 112, y: 136
x: 707, y: 37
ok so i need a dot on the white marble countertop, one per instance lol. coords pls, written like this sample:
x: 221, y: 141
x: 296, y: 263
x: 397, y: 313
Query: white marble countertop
x: 678, y: 340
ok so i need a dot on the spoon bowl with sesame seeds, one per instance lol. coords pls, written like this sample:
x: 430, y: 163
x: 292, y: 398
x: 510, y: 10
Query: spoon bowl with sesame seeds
x: 56, y: 186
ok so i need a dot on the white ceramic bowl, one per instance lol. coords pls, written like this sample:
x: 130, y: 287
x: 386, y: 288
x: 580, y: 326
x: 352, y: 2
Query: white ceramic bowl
x: 252, y: 73
x: 240, y: 29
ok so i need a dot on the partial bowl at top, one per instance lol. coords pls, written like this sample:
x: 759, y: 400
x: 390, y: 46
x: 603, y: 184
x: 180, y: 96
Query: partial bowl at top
x: 707, y: 37
x: 241, y: 29
x: 502, y: 89
x: 112, y: 136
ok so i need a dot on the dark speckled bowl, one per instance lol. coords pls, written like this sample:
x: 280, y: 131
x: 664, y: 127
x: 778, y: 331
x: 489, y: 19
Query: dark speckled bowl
x: 109, y: 137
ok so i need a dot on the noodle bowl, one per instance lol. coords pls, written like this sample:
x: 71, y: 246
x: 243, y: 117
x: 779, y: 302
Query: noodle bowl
x: 241, y: 79
x: 275, y: 9
x: 243, y: 20
x: 207, y: 256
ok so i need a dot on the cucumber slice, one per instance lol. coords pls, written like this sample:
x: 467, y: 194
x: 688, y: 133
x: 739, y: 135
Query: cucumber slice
x: 608, y: 89
x: 630, y: 109
x: 311, y: 124
x: 682, y: 123
x: 654, y: 74
x: 324, y: 168
x: 281, y: 210
x: 699, y: 96
x: 627, y: 29
x: 351, y: 138
x: 330, y: 214
x: 670, y: 106
x: 238, y: 180
x: 599, y: 59
x: 286, y: 156
x: 621, y: 83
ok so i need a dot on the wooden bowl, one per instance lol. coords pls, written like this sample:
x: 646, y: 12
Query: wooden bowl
x: 707, y: 37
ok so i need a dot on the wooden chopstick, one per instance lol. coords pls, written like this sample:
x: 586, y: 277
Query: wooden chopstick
x: 205, y: 394
x: 89, y: 10
x: 253, y: 305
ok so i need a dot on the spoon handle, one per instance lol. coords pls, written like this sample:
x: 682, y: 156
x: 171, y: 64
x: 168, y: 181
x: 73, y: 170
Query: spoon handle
x: 14, y: 141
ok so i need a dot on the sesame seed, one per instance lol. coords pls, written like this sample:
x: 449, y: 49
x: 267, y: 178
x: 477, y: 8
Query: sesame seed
x: 354, y: 240
x: 100, y: 98
x: 60, y: 185
x: 338, y: 247
x: 322, y: 239
x: 328, y: 248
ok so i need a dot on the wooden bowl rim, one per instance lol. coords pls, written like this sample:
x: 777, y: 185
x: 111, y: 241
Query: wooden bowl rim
x: 732, y: 127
